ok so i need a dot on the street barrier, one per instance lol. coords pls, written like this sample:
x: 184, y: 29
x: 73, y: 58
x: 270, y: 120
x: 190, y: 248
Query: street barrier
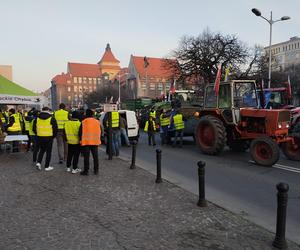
x: 201, y: 176
x: 282, y: 199
x: 132, y: 166
x: 158, y: 166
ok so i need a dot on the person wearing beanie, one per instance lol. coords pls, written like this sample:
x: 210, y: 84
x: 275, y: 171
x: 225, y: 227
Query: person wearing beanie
x: 72, y: 136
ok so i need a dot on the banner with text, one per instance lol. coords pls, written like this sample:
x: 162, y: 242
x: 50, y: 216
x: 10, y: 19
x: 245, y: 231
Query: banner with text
x: 15, y: 99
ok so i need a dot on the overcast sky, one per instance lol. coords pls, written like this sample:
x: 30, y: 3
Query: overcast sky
x: 39, y: 37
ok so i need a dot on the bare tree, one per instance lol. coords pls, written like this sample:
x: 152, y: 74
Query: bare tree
x: 199, y: 57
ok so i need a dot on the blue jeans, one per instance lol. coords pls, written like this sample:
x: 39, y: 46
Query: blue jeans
x: 178, y: 133
x: 115, y: 141
x: 124, y: 135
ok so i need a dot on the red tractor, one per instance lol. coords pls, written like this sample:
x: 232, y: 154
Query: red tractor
x: 232, y: 117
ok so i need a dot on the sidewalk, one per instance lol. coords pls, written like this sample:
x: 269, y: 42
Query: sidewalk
x: 118, y: 209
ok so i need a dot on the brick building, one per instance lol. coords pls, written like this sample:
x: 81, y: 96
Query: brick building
x: 81, y: 79
x: 148, y: 77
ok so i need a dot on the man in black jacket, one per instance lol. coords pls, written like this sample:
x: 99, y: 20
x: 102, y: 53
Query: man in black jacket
x: 45, y: 127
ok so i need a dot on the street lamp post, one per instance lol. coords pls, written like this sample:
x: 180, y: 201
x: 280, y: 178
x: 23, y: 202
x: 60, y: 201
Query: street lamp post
x: 271, y: 22
x: 119, y: 100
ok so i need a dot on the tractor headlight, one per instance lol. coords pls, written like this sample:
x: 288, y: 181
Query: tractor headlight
x: 279, y: 126
x: 287, y: 125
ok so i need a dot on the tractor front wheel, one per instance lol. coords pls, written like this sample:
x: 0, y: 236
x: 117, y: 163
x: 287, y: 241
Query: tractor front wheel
x: 210, y: 135
x: 264, y: 151
x: 292, y: 151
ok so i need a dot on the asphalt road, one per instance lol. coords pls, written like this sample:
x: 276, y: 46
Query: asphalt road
x: 232, y: 181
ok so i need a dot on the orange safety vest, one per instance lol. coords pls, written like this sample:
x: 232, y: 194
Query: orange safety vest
x: 91, y: 132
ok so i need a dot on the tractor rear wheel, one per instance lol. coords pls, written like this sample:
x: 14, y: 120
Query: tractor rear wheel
x: 210, y: 135
x: 292, y: 151
x: 264, y: 151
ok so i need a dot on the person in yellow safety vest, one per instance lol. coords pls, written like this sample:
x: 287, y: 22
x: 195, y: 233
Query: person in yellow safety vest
x: 72, y: 134
x: 3, y: 117
x: 178, y: 123
x: 27, y: 119
x: 150, y: 129
x: 14, y: 128
x: 164, y: 120
x: 33, y: 137
x: 89, y: 134
x: 45, y: 127
x: 61, y: 116
x: 115, y: 124
x: 152, y: 113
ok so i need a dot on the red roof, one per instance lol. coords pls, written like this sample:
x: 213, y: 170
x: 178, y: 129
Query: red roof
x: 62, y: 78
x: 84, y: 69
x: 156, y: 67
x: 108, y: 56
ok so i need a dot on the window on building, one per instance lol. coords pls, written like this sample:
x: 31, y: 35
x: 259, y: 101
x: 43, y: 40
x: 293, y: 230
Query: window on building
x: 143, y: 86
x: 68, y: 81
x: 79, y: 80
x: 168, y: 86
x: 69, y: 98
x: 95, y: 88
x: 75, y: 88
x: 75, y: 79
x: 80, y: 96
x: 160, y: 86
x: 152, y: 86
x: 90, y: 80
x: 69, y: 89
x: 80, y: 88
x: 94, y: 80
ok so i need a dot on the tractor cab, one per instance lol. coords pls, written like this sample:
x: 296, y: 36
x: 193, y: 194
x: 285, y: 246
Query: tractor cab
x: 232, y: 96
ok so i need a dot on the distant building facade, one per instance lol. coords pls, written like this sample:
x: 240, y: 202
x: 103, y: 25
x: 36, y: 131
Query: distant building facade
x: 81, y: 79
x: 284, y: 54
x: 6, y: 71
x: 148, y: 77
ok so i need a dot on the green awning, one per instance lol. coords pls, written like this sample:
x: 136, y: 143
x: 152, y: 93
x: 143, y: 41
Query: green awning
x: 8, y: 87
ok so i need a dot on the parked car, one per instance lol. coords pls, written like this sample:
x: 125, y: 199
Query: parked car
x: 132, y: 124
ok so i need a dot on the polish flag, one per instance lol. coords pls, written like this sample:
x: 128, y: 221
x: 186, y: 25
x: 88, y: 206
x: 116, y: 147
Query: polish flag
x: 218, y: 80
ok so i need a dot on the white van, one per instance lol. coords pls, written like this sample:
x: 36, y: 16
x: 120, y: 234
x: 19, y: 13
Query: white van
x: 132, y: 124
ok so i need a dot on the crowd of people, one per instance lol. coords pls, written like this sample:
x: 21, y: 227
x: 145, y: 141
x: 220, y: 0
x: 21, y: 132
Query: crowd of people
x: 75, y: 133
x: 169, y: 123
x: 78, y: 133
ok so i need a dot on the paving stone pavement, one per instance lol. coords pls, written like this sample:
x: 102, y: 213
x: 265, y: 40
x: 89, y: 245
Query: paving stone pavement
x: 118, y: 209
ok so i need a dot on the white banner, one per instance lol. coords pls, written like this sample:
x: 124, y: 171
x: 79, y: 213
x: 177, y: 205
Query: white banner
x: 18, y: 99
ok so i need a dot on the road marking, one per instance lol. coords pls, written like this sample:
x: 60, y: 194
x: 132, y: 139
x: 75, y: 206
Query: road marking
x: 284, y: 167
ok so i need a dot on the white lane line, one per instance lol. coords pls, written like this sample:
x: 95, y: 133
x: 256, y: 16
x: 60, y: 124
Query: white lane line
x: 283, y: 167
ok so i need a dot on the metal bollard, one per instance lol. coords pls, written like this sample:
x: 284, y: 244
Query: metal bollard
x: 201, y: 175
x: 282, y: 199
x: 132, y: 166
x: 158, y: 166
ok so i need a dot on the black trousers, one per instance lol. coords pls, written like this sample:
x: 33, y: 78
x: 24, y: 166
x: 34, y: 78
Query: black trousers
x: 86, y: 154
x: 45, y: 145
x: 36, y: 147
x: 29, y: 140
x: 73, y: 155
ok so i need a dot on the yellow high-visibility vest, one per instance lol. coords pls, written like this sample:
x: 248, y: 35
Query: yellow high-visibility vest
x: 61, y: 117
x: 72, y: 130
x: 153, y: 114
x: 164, y: 121
x: 31, y: 128
x: 16, y: 127
x: 44, y: 127
x: 147, y: 125
x: 178, y: 121
x: 114, y: 119
x: 27, y: 124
